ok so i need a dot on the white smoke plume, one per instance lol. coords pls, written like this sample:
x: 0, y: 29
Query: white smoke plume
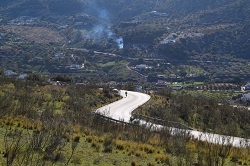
x: 120, y: 42
x: 103, y: 30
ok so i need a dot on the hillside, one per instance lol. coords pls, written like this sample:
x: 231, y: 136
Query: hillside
x: 60, y: 60
x: 223, y: 24
x: 181, y: 32
x: 45, y: 124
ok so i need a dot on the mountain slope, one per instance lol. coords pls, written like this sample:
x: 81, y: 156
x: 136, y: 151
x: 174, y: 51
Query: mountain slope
x: 224, y: 24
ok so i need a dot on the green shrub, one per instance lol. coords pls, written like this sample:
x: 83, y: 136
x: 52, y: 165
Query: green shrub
x: 147, y: 148
x: 94, y: 144
x: 134, y: 162
x: 76, y: 138
x: 76, y: 160
x: 139, y: 153
x: 89, y: 139
x: 162, y: 158
x: 151, y: 164
x: 108, y: 145
x: 120, y: 145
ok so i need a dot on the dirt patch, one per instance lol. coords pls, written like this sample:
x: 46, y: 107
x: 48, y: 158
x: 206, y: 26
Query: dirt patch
x: 37, y: 34
x: 215, y: 28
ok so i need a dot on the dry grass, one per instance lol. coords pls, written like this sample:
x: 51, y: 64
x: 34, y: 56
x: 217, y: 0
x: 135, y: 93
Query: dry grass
x: 139, y: 153
x: 162, y: 158
x: 134, y: 162
x: 147, y: 148
x: 155, y: 140
x: 37, y: 34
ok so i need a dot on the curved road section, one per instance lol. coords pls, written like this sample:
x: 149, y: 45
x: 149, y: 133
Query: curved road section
x: 122, y: 109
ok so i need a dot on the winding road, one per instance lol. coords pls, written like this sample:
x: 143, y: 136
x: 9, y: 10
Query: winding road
x: 122, y: 109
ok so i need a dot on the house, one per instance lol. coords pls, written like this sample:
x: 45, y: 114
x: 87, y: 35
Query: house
x: 22, y: 76
x: 76, y: 67
x: 170, y: 39
x: 10, y: 73
x: 141, y: 66
x: 156, y: 13
x: 173, y: 76
x: 192, y: 75
x: 245, y: 87
x: 58, y: 55
x: 174, y: 37
x: 162, y: 84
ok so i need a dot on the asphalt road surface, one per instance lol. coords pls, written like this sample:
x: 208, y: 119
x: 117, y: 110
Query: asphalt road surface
x: 122, y: 109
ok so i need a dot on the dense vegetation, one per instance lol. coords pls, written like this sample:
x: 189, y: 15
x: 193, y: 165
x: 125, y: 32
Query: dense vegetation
x: 200, y: 110
x: 44, y: 124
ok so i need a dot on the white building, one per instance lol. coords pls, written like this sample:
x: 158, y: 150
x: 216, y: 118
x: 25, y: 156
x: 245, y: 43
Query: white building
x: 75, y: 67
x: 141, y: 66
x: 58, y: 55
x: 246, y: 87
x: 10, y: 73
x: 23, y: 76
